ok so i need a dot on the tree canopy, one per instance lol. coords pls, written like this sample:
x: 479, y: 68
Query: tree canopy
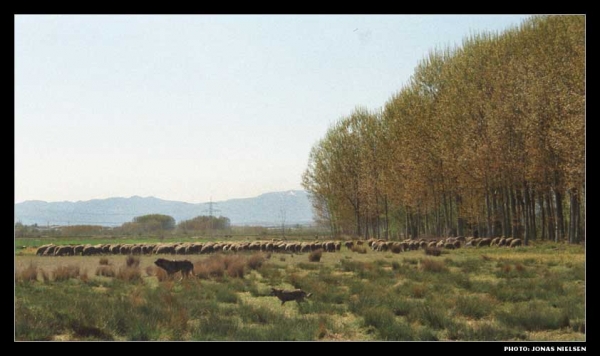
x: 487, y: 138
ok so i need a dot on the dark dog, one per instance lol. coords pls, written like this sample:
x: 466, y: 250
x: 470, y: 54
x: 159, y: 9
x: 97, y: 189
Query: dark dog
x: 172, y: 267
x: 286, y: 295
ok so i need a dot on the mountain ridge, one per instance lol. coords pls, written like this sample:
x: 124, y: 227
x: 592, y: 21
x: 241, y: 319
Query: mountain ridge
x: 264, y: 209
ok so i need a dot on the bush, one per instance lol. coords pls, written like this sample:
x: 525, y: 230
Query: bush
x: 28, y: 274
x: 396, y: 248
x: 132, y: 261
x: 103, y: 261
x: 63, y: 273
x: 359, y: 249
x: 106, y: 271
x: 256, y: 260
x: 433, y: 266
x: 533, y: 316
x: 433, y: 251
x: 217, y: 266
x: 130, y: 274
x: 315, y: 256
x: 473, y: 306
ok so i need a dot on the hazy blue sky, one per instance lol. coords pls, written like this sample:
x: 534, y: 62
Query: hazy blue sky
x: 192, y: 107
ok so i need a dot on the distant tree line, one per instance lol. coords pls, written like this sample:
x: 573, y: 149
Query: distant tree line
x: 151, y: 224
x: 486, y: 138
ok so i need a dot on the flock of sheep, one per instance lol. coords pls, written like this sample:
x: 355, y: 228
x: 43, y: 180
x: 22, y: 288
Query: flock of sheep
x: 450, y: 243
x: 187, y: 248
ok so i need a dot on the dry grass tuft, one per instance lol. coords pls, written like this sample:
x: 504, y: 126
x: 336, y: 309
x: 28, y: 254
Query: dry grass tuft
x: 63, y: 273
x: 106, y: 271
x: 315, y: 256
x: 506, y: 268
x: 433, y: 251
x: 256, y: 260
x: 103, y: 261
x: 28, y: 274
x: 396, y: 249
x: 359, y: 249
x: 132, y: 261
x: 217, y: 266
x: 129, y: 274
x: 432, y: 265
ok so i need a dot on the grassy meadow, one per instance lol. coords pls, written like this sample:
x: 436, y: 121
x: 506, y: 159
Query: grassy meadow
x: 469, y: 294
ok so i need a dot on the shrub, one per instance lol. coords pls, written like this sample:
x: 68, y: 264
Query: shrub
x: 359, y: 249
x: 103, y: 261
x: 533, y: 316
x: 28, y: 274
x: 217, y: 266
x: 106, y: 271
x: 255, y: 261
x: 132, y: 261
x: 396, y: 248
x: 433, y: 251
x: 432, y: 266
x: 432, y: 315
x: 129, y: 274
x: 63, y: 273
x: 315, y: 256
x: 473, y: 306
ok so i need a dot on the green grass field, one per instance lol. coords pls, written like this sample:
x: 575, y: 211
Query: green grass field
x: 490, y: 293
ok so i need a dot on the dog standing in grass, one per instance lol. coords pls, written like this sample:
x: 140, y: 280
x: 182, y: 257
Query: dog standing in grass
x: 172, y: 267
x: 286, y: 295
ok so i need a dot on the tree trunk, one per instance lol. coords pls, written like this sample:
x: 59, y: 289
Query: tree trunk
x: 387, y: 218
x: 550, y: 217
x: 461, y: 221
x: 514, y: 217
x: 560, y: 226
x: 507, y: 224
x: 488, y: 208
x: 543, y: 216
x: 526, y: 213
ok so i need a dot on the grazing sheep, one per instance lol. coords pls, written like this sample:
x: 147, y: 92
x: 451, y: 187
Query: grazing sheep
x: 90, y: 251
x: 77, y: 250
x: 449, y: 245
x: 456, y: 243
x: 495, y: 241
x: 164, y: 249
x: 508, y: 241
x: 338, y: 246
x: 125, y: 249
x: 207, y: 248
x: 330, y: 246
x: 114, y: 249
x: 42, y: 249
x: 136, y: 250
x: 349, y: 244
x: 515, y: 243
x: 305, y: 247
x: 502, y: 241
x: 484, y: 242
x: 50, y: 250
x: 63, y: 251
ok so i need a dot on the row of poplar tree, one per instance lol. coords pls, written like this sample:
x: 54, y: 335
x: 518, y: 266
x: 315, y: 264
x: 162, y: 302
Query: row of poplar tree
x: 486, y: 138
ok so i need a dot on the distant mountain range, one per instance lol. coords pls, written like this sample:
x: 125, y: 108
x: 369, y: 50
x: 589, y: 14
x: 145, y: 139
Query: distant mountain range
x: 265, y: 209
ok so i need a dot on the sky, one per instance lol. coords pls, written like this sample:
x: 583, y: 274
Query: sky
x: 200, y: 107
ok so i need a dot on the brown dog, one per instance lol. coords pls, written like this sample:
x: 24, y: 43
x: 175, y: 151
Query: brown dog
x: 286, y: 295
